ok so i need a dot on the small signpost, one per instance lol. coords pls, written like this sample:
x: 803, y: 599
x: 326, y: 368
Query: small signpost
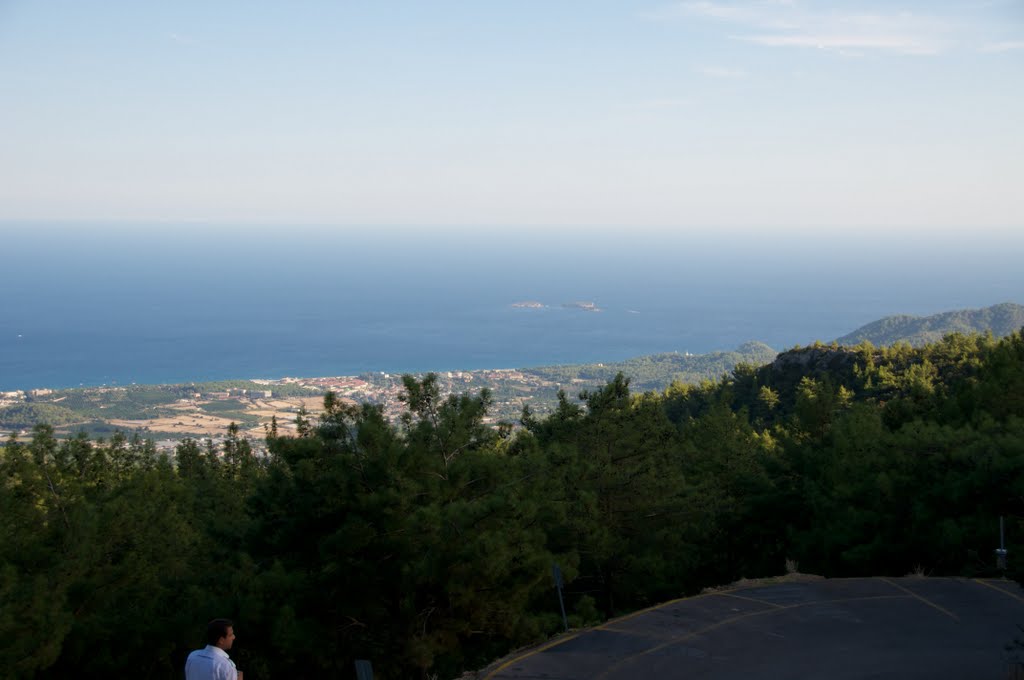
x: 556, y: 575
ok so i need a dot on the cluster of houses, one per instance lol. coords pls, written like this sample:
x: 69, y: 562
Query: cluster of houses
x: 235, y: 394
x: 16, y: 396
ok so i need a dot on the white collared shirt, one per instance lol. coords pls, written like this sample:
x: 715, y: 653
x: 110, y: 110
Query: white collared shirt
x: 211, y: 663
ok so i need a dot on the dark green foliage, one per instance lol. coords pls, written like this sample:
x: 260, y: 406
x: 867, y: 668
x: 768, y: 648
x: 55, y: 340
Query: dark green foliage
x: 25, y: 416
x: 135, y: 402
x: 224, y: 406
x: 423, y: 548
x: 427, y: 547
x: 622, y: 519
x: 657, y: 371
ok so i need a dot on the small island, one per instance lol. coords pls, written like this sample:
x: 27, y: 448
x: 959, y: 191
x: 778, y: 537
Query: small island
x: 585, y: 306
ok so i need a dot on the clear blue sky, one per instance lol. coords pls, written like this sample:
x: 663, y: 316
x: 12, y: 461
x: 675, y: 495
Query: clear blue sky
x: 773, y: 114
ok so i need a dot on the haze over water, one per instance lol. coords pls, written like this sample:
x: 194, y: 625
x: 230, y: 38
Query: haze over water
x: 159, y: 304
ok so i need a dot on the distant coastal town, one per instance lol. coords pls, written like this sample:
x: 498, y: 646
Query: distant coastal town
x: 206, y: 410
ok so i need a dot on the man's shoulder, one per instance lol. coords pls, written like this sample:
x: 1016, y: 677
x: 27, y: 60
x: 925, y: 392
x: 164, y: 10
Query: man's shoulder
x: 208, y: 656
x: 210, y: 662
x: 219, y: 657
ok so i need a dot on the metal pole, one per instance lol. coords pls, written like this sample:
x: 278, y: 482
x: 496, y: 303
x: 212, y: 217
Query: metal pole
x: 1001, y: 551
x: 565, y: 621
x: 556, y: 576
x: 364, y: 670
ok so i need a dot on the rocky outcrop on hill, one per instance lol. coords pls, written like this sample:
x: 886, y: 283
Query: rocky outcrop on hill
x: 816, y: 359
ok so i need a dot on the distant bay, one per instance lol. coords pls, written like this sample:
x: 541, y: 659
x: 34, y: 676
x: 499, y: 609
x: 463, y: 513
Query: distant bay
x: 99, y: 304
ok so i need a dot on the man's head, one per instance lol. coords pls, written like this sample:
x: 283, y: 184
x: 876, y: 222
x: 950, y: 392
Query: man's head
x: 220, y: 633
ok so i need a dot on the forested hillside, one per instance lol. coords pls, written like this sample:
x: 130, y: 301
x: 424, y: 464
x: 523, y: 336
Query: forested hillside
x: 427, y: 547
x: 1000, y: 320
x: 657, y: 371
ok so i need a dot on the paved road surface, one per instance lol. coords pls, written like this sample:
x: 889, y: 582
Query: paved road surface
x: 837, y: 629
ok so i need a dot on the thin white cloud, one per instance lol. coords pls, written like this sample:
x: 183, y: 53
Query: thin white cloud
x: 180, y: 39
x: 721, y: 72
x: 663, y: 104
x: 843, y: 43
x: 719, y: 11
x: 784, y: 23
x: 1004, y: 46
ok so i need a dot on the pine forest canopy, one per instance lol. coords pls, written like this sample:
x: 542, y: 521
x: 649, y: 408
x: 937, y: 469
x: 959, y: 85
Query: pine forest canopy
x: 426, y: 545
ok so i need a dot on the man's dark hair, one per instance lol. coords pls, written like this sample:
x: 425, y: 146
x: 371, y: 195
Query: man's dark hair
x: 217, y: 629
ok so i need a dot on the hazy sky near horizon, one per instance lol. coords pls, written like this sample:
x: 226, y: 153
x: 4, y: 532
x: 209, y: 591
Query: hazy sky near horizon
x: 766, y: 114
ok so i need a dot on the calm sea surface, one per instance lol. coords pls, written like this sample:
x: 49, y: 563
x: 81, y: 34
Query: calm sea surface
x: 90, y: 305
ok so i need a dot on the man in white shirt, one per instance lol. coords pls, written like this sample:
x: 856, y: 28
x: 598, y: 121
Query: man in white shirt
x: 212, y: 662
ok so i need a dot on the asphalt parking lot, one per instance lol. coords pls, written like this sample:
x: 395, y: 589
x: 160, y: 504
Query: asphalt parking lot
x: 836, y: 628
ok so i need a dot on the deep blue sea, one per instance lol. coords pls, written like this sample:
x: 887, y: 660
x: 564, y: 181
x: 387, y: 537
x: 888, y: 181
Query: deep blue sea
x: 93, y: 304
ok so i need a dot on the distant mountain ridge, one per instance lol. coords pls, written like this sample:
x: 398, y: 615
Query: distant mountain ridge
x: 1001, y: 319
